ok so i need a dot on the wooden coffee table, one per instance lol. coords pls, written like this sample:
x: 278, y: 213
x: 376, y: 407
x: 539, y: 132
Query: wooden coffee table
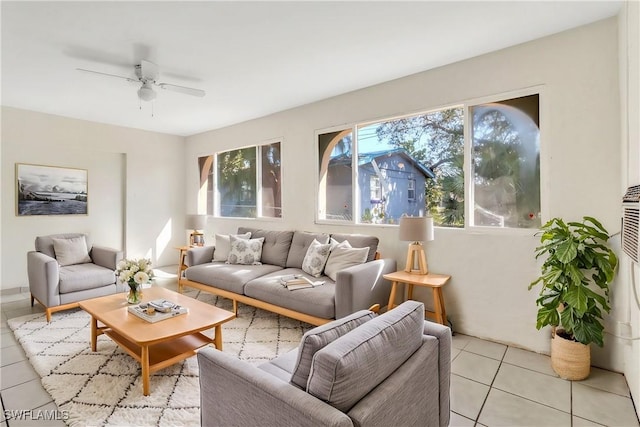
x: 161, y: 344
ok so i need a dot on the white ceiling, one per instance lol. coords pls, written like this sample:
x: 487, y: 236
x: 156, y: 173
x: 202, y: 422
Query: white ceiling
x: 252, y: 58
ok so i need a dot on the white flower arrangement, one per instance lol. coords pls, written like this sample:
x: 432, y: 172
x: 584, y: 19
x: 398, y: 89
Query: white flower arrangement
x: 135, y: 272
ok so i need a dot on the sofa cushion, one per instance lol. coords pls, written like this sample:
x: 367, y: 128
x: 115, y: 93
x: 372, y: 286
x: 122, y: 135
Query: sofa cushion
x: 316, y: 258
x: 347, y: 369
x: 344, y: 256
x: 360, y: 241
x: 80, y: 277
x: 230, y: 277
x: 245, y: 251
x: 71, y: 251
x: 44, y: 244
x: 300, y: 244
x: 318, y: 301
x: 282, y: 366
x: 318, y: 337
x: 275, y: 248
x: 223, y: 245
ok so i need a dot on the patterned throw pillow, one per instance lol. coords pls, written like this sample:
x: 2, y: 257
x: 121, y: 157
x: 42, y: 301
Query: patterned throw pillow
x: 245, y: 251
x: 223, y: 245
x: 315, y: 259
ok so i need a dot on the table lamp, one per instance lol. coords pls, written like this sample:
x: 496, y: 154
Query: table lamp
x: 196, y: 223
x: 416, y: 229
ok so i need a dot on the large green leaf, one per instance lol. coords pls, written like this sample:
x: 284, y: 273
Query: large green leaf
x: 567, y: 251
x: 576, y: 297
x: 547, y: 316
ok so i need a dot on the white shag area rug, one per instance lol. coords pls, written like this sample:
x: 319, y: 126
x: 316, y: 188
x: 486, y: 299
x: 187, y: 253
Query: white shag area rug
x: 104, y: 388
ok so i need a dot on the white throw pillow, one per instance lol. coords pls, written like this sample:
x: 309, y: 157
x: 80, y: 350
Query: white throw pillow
x: 316, y: 258
x: 245, y: 251
x: 344, y: 256
x: 223, y: 245
x: 71, y: 251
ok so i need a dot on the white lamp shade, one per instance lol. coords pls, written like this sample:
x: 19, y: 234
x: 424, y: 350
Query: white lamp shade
x: 416, y: 228
x: 196, y: 222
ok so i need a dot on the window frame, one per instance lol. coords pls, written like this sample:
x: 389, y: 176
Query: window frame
x: 203, y: 206
x: 467, y: 164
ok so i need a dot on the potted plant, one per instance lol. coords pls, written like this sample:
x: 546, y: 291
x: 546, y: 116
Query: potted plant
x: 575, y: 279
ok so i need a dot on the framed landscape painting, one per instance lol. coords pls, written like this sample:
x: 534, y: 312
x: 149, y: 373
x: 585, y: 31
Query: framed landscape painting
x: 50, y: 190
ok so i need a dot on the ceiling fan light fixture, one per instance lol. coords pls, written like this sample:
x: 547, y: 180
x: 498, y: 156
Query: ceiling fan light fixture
x: 146, y: 92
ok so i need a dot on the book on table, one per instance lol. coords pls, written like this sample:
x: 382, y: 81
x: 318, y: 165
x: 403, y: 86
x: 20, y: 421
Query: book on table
x: 162, y: 309
x: 298, y: 281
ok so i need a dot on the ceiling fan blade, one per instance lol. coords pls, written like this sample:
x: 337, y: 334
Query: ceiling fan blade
x: 129, y: 79
x: 183, y: 89
x: 148, y: 70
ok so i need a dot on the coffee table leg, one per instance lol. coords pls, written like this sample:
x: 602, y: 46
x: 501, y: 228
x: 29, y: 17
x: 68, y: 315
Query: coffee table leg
x: 144, y: 359
x: 217, y: 341
x: 94, y: 333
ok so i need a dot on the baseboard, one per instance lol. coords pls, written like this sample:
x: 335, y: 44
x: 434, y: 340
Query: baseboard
x: 14, y: 291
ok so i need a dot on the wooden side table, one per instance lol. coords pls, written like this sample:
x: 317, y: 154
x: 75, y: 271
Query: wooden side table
x: 433, y: 281
x: 181, y: 265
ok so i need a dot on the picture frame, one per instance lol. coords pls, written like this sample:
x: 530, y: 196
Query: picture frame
x: 51, y: 190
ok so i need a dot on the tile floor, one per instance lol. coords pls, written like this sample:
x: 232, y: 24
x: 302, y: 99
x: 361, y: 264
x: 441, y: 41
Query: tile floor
x: 491, y: 385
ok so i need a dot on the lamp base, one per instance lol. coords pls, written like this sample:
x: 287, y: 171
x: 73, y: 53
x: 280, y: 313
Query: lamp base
x: 416, y: 259
x: 196, y: 239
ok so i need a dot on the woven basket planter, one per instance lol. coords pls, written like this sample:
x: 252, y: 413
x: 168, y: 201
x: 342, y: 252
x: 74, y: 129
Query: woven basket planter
x: 571, y: 360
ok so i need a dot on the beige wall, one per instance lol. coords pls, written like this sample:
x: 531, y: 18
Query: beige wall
x: 136, y: 187
x: 626, y: 301
x: 488, y: 295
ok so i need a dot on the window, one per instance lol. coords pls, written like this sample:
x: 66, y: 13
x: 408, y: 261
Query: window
x: 377, y: 172
x: 244, y: 186
x: 411, y: 190
x: 506, y: 163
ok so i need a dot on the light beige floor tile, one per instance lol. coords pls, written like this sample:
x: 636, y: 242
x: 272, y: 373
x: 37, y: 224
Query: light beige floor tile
x: 459, y: 341
x: 24, y: 311
x: 7, y: 340
x: 530, y: 360
x: 460, y: 421
x: 612, y: 382
x: 11, y: 355
x: 29, y: 395
x: 505, y: 409
x: 467, y: 396
x: 535, y: 386
x: 486, y: 348
x: 454, y: 353
x: 581, y: 422
x: 475, y: 367
x: 602, y: 407
x: 16, y: 373
x: 37, y: 419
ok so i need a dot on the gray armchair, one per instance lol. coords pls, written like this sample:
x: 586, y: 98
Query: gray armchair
x: 64, y: 270
x: 360, y: 370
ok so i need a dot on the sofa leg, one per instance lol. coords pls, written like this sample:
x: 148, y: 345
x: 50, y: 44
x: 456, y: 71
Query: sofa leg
x: 48, y: 314
x: 235, y: 307
x: 32, y: 300
x: 375, y: 308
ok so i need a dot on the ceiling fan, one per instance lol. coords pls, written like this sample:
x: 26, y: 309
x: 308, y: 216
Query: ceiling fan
x: 147, y: 74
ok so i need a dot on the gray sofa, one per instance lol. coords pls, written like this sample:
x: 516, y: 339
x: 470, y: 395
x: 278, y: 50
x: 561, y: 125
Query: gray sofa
x: 60, y: 282
x: 355, y: 288
x: 361, y: 370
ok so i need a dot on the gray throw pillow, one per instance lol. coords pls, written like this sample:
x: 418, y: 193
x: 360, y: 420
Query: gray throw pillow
x: 245, y: 251
x: 71, y: 251
x: 349, y: 368
x: 316, y: 338
x: 344, y: 256
x: 316, y: 258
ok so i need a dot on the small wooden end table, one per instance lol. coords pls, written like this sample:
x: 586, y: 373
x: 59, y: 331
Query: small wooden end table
x: 181, y: 264
x: 430, y: 280
x: 161, y: 344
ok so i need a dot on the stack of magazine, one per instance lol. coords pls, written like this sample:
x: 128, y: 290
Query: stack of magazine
x: 298, y: 281
x: 162, y: 309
